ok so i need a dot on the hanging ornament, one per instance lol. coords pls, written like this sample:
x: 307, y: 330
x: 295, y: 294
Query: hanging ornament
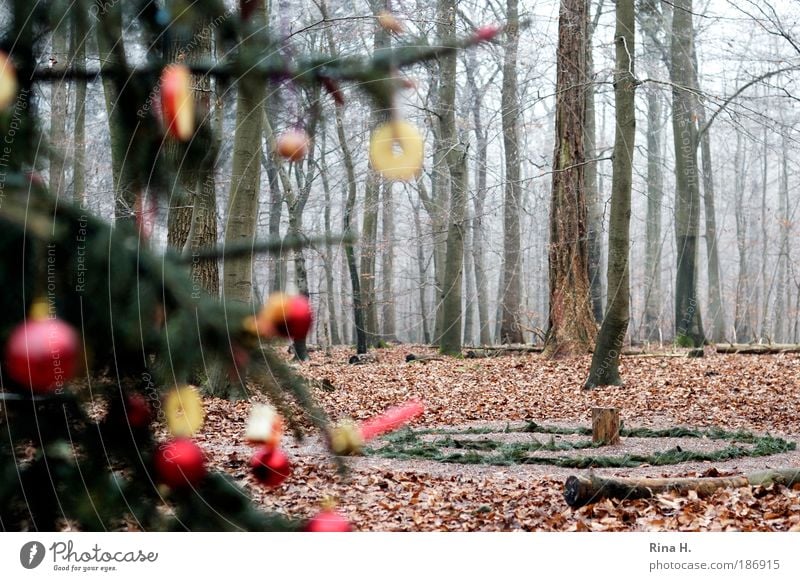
x: 292, y: 145
x: 396, y: 150
x: 264, y: 426
x: 328, y: 520
x: 179, y: 463
x: 183, y: 408
x: 389, y: 22
x: 177, y: 101
x: 42, y: 353
x: 286, y: 316
x: 348, y: 437
x: 270, y: 466
x: 487, y: 32
x: 137, y: 411
x: 8, y: 81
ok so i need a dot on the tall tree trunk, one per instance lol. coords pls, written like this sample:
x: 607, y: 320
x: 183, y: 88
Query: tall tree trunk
x: 456, y: 159
x: 78, y: 58
x: 111, y: 50
x: 593, y: 206
x: 511, y: 303
x: 653, y: 29
x: 715, y: 305
x: 655, y: 198
x: 192, y: 218
x: 58, y: 108
x: 478, y: 200
x: 347, y: 222
x: 277, y: 276
x: 781, y: 306
x: 387, y: 264
x: 469, y: 281
x: 766, y: 286
x: 369, y: 236
x: 571, y: 324
x: 372, y: 193
x: 328, y: 255
x: 423, y: 276
x: 605, y: 360
x: 242, y: 213
x: 688, y: 322
x: 742, y: 328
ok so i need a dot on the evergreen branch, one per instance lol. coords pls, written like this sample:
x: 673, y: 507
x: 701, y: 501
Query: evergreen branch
x: 272, y: 246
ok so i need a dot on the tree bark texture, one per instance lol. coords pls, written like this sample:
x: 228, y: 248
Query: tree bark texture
x: 571, y: 325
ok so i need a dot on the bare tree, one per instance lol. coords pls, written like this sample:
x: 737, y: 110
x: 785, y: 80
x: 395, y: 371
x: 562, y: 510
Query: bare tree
x: 511, y: 301
x: 456, y: 159
x: 605, y: 360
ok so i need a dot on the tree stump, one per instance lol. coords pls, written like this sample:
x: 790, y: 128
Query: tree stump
x: 605, y: 426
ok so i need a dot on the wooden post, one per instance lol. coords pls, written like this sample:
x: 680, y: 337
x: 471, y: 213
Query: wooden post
x: 605, y: 426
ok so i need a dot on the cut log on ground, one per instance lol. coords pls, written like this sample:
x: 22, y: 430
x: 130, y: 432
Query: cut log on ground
x: 411, y: 357
x: 582, y: 490
x: 499, y: 350
x: 605, y: 426
x: 363, y: 358
x: 757, y: 349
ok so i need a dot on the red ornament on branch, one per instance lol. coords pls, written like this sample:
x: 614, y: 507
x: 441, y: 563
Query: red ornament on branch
x: 180, y: 463
x: 42, y: 353
x: 177, y: 102
x: 284, y: 315
x: 270, y: 466
x: 292, y: 145
x: 487, y: 32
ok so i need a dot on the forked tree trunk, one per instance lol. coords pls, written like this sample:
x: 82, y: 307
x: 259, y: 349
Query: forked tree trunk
x: 571, y: 326
x: 605, y: 360
x: 478, y: 235
x: 688, y: 322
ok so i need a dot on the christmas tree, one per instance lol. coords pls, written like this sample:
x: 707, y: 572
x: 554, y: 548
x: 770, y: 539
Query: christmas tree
x: 104, y: 335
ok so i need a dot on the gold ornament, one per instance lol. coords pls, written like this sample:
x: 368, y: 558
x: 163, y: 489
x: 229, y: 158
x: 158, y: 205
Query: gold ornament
x: 183, y: 408
x: 384, y: 156
x: 346, y: 439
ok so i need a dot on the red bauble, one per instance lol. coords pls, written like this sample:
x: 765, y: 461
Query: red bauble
x: 295, y: 318
x: 487, y: 32
x: 137, y: 410
x: 177, y: 101
x: 42, y: 354
x: 328, y: 521
x: 292, y: 145
x: 270, y: 466
x: 180, y: 463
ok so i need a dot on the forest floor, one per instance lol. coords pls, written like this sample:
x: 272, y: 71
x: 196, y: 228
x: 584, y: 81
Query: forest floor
x: 747, y: 392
